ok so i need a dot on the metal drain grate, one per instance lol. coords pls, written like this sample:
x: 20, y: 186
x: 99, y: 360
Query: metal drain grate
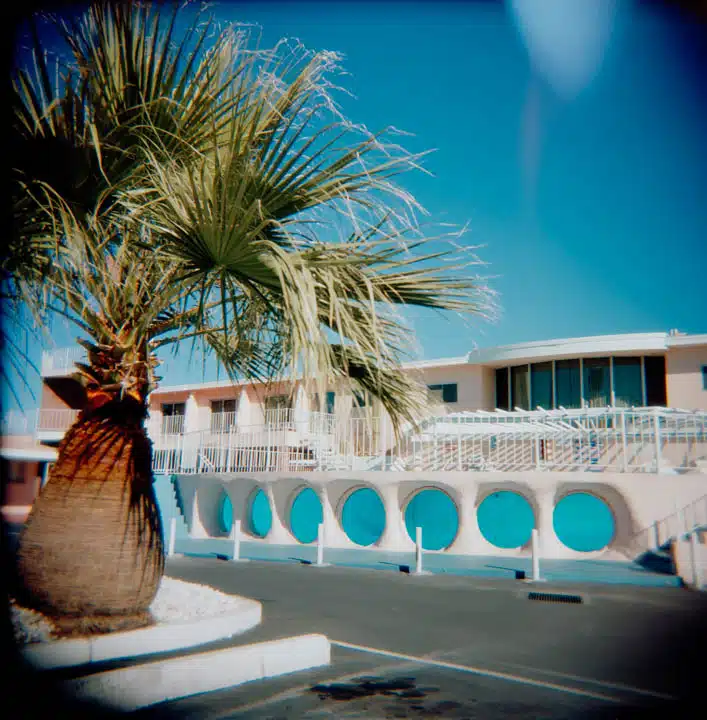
x: 556, y: 597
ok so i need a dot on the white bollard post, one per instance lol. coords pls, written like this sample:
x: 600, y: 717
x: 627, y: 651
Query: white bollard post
x: 418, y: 551
x: 237, y: 540
x: 694, y: 550
x: 656, y: 536
x: 172, y: 536
x: 320, y: 544
x: 536, y: 555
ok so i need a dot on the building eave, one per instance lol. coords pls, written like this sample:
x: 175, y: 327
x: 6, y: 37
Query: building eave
x: 593, y: 346
x: 29, y: 454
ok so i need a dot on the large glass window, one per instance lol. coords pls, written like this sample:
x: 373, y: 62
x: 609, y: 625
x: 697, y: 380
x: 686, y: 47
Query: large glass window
x: 628, y: 388
x: 597, y: 382
x: 502, y: 399
x: 541, y: 385
x: 567, y: 384
x: 520, y: 387
x: 656, y: 395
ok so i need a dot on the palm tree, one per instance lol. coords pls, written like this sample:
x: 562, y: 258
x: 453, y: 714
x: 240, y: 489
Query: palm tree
x: 198, y: 189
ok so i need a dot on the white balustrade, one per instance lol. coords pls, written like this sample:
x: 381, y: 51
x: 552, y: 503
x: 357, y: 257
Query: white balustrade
x: 62, y: 359
x: 58, y: 420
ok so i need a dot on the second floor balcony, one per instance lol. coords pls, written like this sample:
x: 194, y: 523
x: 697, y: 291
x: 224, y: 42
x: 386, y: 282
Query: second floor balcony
x: 589, y: 440
x: 61, y: 361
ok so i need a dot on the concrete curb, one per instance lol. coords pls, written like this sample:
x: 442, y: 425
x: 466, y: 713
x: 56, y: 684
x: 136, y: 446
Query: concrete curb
x: 129, y: 689
x: 134, y: 643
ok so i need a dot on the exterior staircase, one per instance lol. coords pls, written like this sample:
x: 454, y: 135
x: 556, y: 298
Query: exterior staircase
x: 662, y: 546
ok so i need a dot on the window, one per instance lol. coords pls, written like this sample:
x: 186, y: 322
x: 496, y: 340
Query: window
x: 541, y: 385
x: 704, y: 377
x: 330, y: 402
x: 223, y: 415
x: 520, y: 387
x: 654, y: 366
x: 502, y: 399
x: 277, y: 402
x: 628, y: 386
x: 567, y: 384
x: 278, y: 410
x: 359, y: 399
x: 446, y: 393
x: 173, y: 418
x: 597, y: 387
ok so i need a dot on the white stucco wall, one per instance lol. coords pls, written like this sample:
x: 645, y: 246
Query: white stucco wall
x: 636, y: 502
x: 684, y: 377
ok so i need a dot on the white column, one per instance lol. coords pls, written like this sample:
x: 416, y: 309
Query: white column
x: 191, y: 414
x: 196, y: 528
x: 394, y: 537
x: 245, y: 409
x: 191, y: 435
x: 278, y: 535
x: 469, y: 539
x: 550, y: 546
x: 333, y: 532
x: 301, y: 411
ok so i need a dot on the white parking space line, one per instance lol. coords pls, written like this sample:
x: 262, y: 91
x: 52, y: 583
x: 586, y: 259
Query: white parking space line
x: 591, y: 681
x: 481, y: 671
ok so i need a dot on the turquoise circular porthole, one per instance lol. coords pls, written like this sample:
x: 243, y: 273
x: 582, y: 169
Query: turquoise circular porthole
x: 305, y: 516
x: 259, y: 514
x: 506, y: 519
x: 225, y: 514
x: 435, y: 512
x: 583, y: 522
x: 363, y: 516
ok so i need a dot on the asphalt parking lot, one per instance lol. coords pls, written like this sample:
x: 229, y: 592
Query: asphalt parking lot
x: 463, y: 647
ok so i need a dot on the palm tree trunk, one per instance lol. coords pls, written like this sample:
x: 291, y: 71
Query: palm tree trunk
x: 93, y: 545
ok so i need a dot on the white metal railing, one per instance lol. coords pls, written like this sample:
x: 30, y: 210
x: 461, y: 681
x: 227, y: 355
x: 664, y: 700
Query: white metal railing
x: 280, y: 418
x: 62, y: 359
x: 172, y: 425
x: 609, y: 439
x: 223, y: 422
x: 660, y: 533
x: 56, y: 420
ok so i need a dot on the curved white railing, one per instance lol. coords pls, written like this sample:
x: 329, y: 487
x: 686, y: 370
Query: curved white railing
x: 616, y: 440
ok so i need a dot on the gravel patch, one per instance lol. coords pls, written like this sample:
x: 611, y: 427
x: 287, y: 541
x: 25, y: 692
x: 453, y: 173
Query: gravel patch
x: 176, y: 602
x: 179, y: 601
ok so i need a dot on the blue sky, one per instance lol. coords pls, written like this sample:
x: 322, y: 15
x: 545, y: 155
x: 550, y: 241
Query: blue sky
x: 576, y: 152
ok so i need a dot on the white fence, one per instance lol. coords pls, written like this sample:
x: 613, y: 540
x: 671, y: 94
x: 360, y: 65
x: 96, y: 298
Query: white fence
x: 679, y: 524
x: 613, y: 439
x: 636, y: 440
x: 56, y: 420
